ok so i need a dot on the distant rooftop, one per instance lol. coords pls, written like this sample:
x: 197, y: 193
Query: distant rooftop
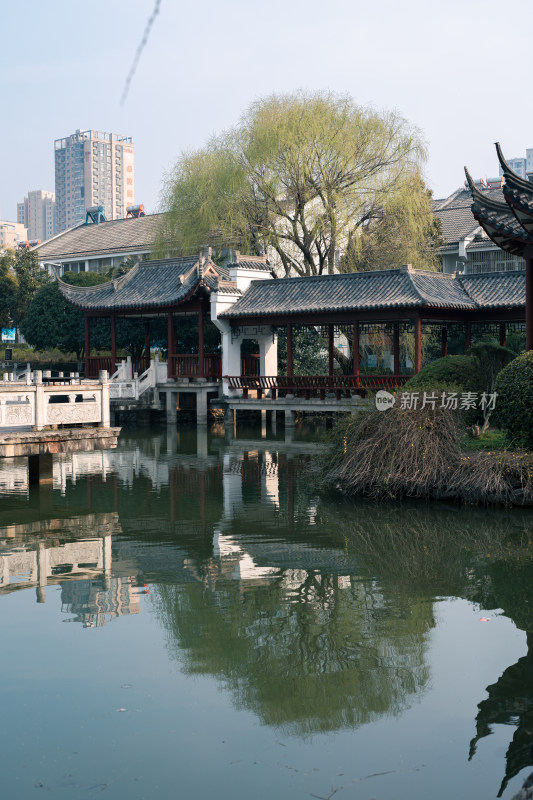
x: 136, y: 235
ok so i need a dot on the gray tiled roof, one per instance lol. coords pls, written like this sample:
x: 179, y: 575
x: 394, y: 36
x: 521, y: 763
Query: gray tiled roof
x: 496, y: 289
x: 388, y: 289
x: 455, y: 214
x: 149, y: 284
x: 400, y: 288
x: 258, y: 266
x: 116, y: 236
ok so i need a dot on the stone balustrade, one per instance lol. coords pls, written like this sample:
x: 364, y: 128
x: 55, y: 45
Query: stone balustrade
x: 39, y: 405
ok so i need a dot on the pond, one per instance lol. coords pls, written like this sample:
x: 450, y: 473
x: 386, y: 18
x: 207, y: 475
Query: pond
x: 186, y: 616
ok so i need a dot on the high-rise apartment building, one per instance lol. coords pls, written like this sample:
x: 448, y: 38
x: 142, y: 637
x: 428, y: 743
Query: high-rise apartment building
x: 37, y: 213
x: 93, y: 168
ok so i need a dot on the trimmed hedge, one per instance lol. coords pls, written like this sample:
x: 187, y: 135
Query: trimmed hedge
x: 514, y: 405
x: 452, y: 371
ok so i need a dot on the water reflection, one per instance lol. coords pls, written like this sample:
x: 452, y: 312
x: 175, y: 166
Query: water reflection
x: 314, y: 614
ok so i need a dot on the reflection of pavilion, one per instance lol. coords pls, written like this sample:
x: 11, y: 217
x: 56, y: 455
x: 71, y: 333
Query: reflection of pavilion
x: 510, y: 702
x: 82, y: 567
x: 96, y: 602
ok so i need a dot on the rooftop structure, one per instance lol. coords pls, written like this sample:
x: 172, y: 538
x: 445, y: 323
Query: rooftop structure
x: 11, y: 233
x: 508, y: 222
x: 93, y: 248
x: 467, y: 246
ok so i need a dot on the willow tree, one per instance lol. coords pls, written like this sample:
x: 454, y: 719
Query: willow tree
x: 300, y: 177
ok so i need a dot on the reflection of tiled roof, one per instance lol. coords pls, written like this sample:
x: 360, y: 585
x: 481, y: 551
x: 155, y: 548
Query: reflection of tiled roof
x: 496, y: 289
x: 148, y: 284
x: 400, y: 288
x: 116, y: 236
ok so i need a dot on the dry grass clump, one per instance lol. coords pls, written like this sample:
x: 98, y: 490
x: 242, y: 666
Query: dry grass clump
x: 417, y: 453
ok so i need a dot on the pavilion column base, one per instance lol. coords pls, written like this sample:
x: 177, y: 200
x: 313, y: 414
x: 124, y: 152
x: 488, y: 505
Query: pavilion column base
x: 201, y: 407
x: 40, y: 468
x: 171, y: 407
x: 290, y: 418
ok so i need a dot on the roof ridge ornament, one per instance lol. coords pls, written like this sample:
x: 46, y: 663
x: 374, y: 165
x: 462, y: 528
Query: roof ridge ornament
x: 121, y: 281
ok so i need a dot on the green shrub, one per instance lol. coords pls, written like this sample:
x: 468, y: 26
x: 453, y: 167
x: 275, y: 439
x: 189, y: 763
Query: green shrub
x: 461, y: 372
x: 514, y: 405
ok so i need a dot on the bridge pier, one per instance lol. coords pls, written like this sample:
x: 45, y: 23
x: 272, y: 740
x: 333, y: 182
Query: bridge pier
x: 290, y: 418
x: 40, y: 468
x: 201, y: 407
x: 171, y: 407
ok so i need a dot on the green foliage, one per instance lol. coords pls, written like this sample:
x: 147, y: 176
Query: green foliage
x: 300, y: 177
x: 514, y: 386
x: 310, y: 356
x: 461, y: 372
x: 8, y: 288
x: 30, y: 278
x: 52, y: 322
x: 403, y: 231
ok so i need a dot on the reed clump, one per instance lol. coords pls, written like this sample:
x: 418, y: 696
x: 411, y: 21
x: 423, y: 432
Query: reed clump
x: 417, y: 453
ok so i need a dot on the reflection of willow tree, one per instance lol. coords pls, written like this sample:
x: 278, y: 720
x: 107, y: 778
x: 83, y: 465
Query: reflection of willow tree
x: 307, y: 652
x: 457, y: 553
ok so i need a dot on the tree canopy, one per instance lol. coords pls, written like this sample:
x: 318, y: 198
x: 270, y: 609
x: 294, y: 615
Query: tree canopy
x: 301, y: 177
x: 52, y: 322
x: 8, y: 288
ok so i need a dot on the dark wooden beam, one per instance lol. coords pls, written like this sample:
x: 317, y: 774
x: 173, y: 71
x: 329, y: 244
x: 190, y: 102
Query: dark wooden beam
x: 355, y: 348
x: 529, y: 303
x: 396, y: 347
x: 201, y: 359
x: 418, y: 344
x: 147, y: 339
x: 113, y: 343
x: 289, y: 351
x: 87, y: 344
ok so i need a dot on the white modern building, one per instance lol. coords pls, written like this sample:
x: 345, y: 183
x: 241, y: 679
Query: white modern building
x: 93, y: 168
x: 37, y: 213
x: 11, y: 233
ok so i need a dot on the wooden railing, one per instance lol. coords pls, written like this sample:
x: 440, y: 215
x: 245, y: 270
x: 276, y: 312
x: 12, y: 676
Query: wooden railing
x: 309, y: 386
x: 96, y: 363
x: 186, y: 366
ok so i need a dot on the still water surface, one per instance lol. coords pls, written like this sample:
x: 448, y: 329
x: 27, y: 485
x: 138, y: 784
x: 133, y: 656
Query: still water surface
x: 187, y: 617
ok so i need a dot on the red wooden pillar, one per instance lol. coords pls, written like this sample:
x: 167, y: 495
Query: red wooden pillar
x: 396, y: 347
x: 355, y: 350
x: 87, y: 345
x: 468, y: 334
x: 171, y: 372
x: 113, y: 344
x: 330, y: 350
x: 289, y: 350
x: 529, y: 303
x: 201, y: 358
x: 502, y: 334
x: 147, y: 342
x: 444, y: 341
x: 418, y: 344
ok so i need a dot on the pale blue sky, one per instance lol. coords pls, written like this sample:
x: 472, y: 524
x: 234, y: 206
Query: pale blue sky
x: 459, y: 70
